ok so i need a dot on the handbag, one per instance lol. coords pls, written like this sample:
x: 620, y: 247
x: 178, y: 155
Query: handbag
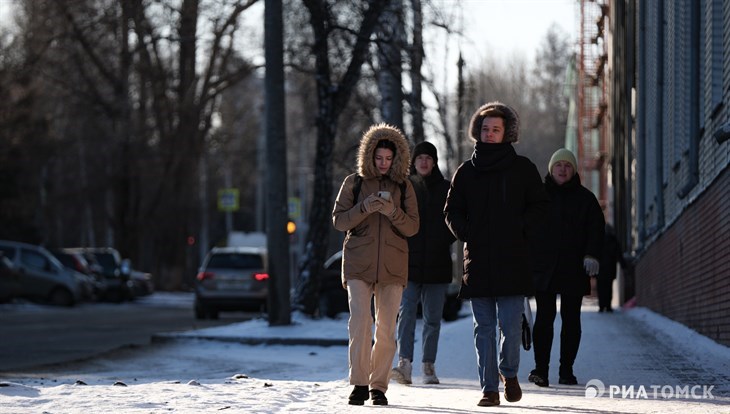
x: 527, y: 326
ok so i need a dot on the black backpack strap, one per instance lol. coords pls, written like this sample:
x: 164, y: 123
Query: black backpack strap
x: 356, y: 188
x: 403, y: 188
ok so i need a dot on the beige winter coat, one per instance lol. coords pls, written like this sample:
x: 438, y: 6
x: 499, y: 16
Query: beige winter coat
x: 376, y: 249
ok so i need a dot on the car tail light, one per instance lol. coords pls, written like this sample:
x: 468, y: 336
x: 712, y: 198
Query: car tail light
x: 205, y: 276
x: 260, y: 277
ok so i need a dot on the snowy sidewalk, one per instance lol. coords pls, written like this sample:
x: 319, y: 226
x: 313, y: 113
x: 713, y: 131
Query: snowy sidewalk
x: 643, y: 362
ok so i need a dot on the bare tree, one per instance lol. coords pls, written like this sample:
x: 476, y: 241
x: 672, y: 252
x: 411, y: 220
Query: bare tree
x: 550, y: 100
x: 332, y: 97
x: 181, y: 115
x: 129, y: 91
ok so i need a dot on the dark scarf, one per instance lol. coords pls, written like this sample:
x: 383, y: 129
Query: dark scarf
x: 493, y: 157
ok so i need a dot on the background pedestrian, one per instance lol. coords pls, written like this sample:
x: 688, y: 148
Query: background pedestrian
x: 429, y: 268
x: 566, y: 251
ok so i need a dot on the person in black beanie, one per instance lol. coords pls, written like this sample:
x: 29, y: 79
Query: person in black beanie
x: 429, y: 267
x: 495, y: 200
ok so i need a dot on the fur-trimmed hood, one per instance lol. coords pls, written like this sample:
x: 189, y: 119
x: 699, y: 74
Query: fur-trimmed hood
x: 401, y: 161
x: 512, y: 127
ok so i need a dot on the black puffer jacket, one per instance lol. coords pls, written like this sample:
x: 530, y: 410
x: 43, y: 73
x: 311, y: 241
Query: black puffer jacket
x: 572, y: 228
x: 494, y: 202
x: 429, y: 259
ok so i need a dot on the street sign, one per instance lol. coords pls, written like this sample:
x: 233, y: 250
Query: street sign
x: 295, y: 208
x: 228, y: 199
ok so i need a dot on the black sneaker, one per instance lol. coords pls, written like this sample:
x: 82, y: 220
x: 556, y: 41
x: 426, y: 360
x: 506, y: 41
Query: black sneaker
x: 538, y: 378
x: 568, y: 380
x: 378, y: 397
x: 358, y: 395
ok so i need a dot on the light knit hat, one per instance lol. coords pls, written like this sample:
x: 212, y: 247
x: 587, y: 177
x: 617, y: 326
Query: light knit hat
x: 563, y: 154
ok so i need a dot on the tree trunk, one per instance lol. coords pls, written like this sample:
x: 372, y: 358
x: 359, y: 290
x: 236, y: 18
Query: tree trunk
x: 416, y: 52
x: 331, y: 99
x: 390, y: 79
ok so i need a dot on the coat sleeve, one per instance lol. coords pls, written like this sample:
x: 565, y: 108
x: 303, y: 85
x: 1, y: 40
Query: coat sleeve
x: 536, y: 201
x: 455, y: 208
x: 596, y: 227
x: 347, y: 213
x: 407, y: 222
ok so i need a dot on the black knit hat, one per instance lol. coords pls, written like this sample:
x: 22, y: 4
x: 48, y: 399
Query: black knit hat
x: 425, y: 148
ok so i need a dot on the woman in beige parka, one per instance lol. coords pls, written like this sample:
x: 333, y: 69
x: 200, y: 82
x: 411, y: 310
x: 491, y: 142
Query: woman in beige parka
x: 375, y: 254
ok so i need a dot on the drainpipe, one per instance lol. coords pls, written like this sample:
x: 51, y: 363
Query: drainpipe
x: 640, y: 139
x: 659, y: 150
x: 694, y: 103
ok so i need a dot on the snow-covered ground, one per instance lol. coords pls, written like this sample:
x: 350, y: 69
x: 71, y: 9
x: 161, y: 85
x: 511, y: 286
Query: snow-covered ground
x: 642, y: 360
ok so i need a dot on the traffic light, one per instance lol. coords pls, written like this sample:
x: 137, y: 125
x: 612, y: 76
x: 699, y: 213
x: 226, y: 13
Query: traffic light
x: 291, y: 226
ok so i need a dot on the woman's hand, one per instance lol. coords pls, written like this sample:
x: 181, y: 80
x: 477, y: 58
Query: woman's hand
x: 371, y: 204
x: 388, y: 208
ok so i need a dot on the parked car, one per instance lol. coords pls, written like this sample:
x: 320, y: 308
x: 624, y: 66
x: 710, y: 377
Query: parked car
x: 42, y: 276
x: 9, y: 280
x: 142, y: 283
x: 231, y: 279
x: 92, y: 285
x: 333, y: 298
x: 116, y: 284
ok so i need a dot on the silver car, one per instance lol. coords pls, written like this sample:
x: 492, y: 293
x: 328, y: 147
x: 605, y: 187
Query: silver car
x: 42, y: 276
x: 231, y: 279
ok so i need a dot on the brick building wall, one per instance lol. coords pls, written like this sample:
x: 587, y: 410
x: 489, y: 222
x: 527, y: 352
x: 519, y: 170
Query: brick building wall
x: 685, y: 273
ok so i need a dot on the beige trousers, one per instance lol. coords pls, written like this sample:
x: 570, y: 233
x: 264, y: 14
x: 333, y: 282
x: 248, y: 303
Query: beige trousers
x: 370, y: 362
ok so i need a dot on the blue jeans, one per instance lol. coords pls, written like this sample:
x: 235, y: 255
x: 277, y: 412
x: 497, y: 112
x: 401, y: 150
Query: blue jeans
x: 432, y: 298
x: 486, y: 312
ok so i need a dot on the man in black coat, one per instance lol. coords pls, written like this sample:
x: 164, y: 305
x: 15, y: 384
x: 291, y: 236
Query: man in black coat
x: 568, y: 245
x: 494, y: 202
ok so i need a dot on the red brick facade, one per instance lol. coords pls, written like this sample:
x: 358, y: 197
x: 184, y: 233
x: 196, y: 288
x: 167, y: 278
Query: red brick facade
x: 685, y: 273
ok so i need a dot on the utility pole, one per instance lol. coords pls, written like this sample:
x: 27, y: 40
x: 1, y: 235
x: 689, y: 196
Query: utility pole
x: 277, y: 239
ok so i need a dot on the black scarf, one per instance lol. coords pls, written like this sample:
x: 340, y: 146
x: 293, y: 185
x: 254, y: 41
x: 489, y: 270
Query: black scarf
x: 493, y: 157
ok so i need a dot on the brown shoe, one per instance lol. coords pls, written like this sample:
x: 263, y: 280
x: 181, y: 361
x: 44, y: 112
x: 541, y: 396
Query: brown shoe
x: 489, y: 399
x: 512, y: 390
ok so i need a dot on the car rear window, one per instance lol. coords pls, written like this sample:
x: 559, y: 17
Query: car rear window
x: 8, y: 252
x: 107, y: 261
x: 235, y: 261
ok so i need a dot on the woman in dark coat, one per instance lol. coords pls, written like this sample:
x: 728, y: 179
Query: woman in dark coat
x: 429, y: 267
x: 566, y: 252
x: 494, y: 202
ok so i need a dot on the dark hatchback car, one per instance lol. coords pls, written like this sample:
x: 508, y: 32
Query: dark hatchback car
x: 231, y: 279
x: 42, y: 276
x: 107, y: 262
x: 333, y: 297
x: 9, y: 280
x: 90, y: 280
